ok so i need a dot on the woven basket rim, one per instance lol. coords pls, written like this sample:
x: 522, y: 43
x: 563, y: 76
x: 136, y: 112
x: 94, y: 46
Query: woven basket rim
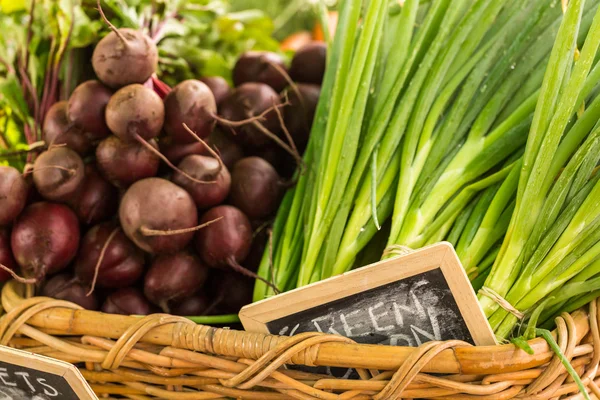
x: 62, y: 321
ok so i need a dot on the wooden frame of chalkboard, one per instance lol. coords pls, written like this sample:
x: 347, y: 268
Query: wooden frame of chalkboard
x: 34, y: 374
x: 441, y: 257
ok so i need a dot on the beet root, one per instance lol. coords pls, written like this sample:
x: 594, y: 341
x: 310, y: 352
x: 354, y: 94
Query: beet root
x: 260, y: 66
x: 250, y: 100
x: 308, y: 64
x: 195, y: 305
x: 6, y: 257
x: 122, y: 263
x: 57, y: 130
x: 256, y: 188
x: 127, y: 301
x: 64, y: 287
x: 192, y: 103
x: 123, y: 163
x: 87, y: 106
x: 300, y: 113
x: 135, y: 112
x: 218, y: 86
x: 173, y: 277
x: 97, y: 200
x: 227, y: 240
x: 158, y: 216
x: 13, y: 194
x: 205, y: 195
x: 58, y: 173
x: 45, y: 238
x: 123, y: 57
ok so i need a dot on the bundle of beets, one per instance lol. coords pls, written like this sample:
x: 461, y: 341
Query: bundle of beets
x: 128, y: 209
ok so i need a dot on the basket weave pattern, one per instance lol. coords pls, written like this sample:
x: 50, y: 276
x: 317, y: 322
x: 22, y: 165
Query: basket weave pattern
x: 169, y: 357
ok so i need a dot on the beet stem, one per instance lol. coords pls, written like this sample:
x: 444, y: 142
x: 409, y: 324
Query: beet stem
x: 36, y: 146
x: 245, y: 271
x: 210, y: 149
x: 112, y: 27
x: 100, y: 259
x: 155, y: 232
x: 169, y: 163
x: 259, y: 117
x: 17, y: 277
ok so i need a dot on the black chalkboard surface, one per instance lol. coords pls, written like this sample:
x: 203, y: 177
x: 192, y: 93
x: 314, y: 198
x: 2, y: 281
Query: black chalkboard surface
x: 28, y: 376
x: 18, y: 382
x: 408, y: 312
x: 408, y: 300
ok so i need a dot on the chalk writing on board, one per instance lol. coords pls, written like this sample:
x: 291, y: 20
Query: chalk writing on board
x: 410, y: 312
x: 20, y: 383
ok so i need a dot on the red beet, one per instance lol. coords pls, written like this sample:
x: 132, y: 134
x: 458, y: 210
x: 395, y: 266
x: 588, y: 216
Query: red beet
x: 97, y: 200
x: 58, y: 173
x: 175, y: 152
x: 204, y: 168
x: 260, y: 66
x: 229, y: 150
x: 250, y: 100
x: 135, y: 112
x: 122, y: 264
x: 227, y: 241
x: 299, y: 115
x: 6, y: 257
x: 308, y: 64
x: 218, y: 86
x: 194, y: 305
x: 173, y: 277
x: 124, y: 163
x: 87, y: 106
x: 13, y: 194
x: 64, y: 287
x: 231, y: 292
x: 256, y: 188
x: 152, y: 213
x: 125, y: 56
x: 57, y: 130
x: 45, y: 238
x: 127, y: 301
x: 192, y: 103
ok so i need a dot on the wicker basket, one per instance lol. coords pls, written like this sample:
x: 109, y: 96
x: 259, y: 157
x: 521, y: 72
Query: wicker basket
x: 169, y: 357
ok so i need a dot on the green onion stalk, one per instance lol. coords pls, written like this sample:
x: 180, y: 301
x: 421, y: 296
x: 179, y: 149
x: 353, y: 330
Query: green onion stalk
x: 553, y: 240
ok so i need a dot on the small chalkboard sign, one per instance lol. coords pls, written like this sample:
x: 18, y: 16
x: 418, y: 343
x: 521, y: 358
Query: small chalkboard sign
x: 28, y: 376
x: 408, y: 300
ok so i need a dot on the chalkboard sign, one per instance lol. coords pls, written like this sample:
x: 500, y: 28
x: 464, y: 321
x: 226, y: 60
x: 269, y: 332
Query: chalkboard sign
x: 404, y: 301
x: 28, y: 376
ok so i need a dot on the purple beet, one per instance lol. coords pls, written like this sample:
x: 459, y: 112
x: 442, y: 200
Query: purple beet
x: 45, y: 238
x: 64, y: 287
x: 227, y: 147
x: 256, y: 188
x: 175, y: 152
x: 6, y: 257
x: 158, y: 216
x: 127, y: 301
x: 87, y: 106
x: 218, y: 86
x: 228, y: 300
x: 204, y: 168
x: 192, y: 103
x: 122, y: 264
x: 57, y: 130
x: 260, y: 66
x: 124, y: 163
x: 299, y: 115
x: 135, y: 112
x: 13, y: 194
x: 308, y: 64
x: 250, y: 100
x: 97, y: 200
x: 194, y: 305
x: 173, y: 277
x: 58, y: 173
